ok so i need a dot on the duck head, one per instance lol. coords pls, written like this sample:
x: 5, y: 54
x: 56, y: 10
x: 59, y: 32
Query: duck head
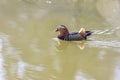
x: 63, y: 31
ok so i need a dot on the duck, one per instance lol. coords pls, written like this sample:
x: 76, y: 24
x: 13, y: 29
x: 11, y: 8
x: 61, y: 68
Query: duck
x: 64, y: 34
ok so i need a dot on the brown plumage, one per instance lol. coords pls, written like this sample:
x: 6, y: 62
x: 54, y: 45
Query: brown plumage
x: 64, y: 34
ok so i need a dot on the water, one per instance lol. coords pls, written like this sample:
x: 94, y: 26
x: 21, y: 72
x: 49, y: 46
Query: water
x: 29, y: 49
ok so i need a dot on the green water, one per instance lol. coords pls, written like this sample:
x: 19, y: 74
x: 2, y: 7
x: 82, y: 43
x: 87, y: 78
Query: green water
x: 29, y: 49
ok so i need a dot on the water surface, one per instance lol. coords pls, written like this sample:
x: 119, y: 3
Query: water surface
x: 29, y: 49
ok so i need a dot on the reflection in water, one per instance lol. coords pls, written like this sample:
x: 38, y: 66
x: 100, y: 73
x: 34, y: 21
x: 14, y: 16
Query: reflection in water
x: 62, y: 45
x: 21, y: 69
x: 14, y: 63
x: 102, y: 58
x: 116, y: 73
x: 2, y: 69
x: 81, y: 45
x: 116, y: 70
x: 82, y: 76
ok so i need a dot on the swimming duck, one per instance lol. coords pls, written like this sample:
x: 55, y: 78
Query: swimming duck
x: 64, y: 34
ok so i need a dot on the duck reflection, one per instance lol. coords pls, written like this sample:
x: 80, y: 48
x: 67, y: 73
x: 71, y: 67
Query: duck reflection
x: 81, y: 45
x: 62, y: 45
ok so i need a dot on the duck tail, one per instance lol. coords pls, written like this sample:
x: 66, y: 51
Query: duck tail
x: 88, y: 33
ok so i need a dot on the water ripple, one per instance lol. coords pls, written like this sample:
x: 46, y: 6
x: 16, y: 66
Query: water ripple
x: 104, y: 44
x: 106, y: 31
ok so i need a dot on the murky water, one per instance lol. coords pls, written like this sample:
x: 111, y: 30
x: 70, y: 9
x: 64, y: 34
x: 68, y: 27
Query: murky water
x: 29, y: 49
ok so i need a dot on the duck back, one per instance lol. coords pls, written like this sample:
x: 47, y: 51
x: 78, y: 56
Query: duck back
x: 74, y: 36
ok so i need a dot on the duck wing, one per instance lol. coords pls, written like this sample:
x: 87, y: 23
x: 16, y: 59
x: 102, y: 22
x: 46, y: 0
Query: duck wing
x: 75, y: 36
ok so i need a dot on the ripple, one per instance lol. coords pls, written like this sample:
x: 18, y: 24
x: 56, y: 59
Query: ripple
x: 106, y: 31
x: 104, y: 44
x: 101, y: 44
